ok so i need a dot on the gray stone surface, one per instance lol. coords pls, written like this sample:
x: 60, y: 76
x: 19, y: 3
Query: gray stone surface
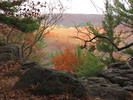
x: 103, y: 88
x: 51, y: 81
x: 119, y: 73
x: 10, y: 52
x: 28, y: 64
x: 131, y: 62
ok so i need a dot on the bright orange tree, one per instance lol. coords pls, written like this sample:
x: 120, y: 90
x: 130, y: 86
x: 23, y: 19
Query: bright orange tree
x: 65, y: 61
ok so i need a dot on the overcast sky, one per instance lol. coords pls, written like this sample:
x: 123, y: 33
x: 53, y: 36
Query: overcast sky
x: 81, y: 6
x: 86, y: 6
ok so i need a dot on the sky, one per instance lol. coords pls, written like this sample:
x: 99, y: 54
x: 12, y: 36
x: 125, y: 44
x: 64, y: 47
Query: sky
x: 81, y: 6
x: 86, y: 6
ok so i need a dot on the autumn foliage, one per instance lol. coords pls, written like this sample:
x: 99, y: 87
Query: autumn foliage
x: 65, y: 61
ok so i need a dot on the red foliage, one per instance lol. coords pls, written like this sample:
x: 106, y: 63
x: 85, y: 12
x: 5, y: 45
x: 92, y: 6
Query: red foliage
x: 66, y: 60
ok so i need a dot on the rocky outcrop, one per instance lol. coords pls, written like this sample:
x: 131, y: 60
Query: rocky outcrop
x: 10, y: 52
x: 51, y: 81
x: 103, y: 88
x: 112, y: 83
x: 28, y: 64
x: 120, y: 73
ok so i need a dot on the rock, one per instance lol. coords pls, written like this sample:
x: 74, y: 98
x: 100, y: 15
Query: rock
x: 51, y: 81
x: 5, y: 57
x: 102, y: 88
x: 93, y: 80
x: 119, y: 65
x: 109, y: 93
x: 28, y: 64
x: 3, y: 44
x: 112, y: 83
x: 131, y: 62
x: 126, y: 66
x: 10, y: 52
x: 113, y: 75
x: 128, y: 88
x: 119, y: 73
x: 128, y: 85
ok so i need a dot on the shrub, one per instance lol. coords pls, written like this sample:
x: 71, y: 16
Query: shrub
x: 84, y: 64
x: 65, y: 61
x: 90, y: 64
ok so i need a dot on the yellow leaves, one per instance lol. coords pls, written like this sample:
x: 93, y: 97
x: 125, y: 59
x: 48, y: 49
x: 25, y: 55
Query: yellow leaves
x: 3, y: 41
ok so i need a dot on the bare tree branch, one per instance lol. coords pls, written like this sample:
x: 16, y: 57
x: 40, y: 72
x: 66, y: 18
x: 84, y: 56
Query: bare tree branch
x: 100, y: 36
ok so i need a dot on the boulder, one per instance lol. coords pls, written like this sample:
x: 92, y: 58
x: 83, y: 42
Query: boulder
x: 112, y: 83
x: 51, y: 81
x: 119, y: 65
x: 114, y: 76
x: 10, y: 52
x: 119, y: 73
x: 104, y: 89
x: 28, y: 64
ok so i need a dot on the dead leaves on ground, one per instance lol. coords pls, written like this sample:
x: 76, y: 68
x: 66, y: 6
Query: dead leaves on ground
x: 6, y: 84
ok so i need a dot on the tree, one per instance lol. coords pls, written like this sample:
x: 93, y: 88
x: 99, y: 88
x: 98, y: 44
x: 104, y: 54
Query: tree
x: 88, y: 65
x: 109, y: 25
x: 124, y: 9
x: 26, y: 16
x: 9, y: 16
x: 108, y: 41
x: 117, y: 15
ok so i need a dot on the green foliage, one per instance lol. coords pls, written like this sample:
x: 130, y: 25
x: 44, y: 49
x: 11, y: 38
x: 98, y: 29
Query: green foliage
x: 128, y: 51
x: 55, y: 53
x: 46, y: 64
x: 124, y: 11
x: 20, y: 36
x: 21, y: 24
x: 90, y: 64
x: 115, y: 14
x: 52, y: 55
x: 26, y: 24
x: 91, y: 27
x: 10, y: 6
x: 41, y: 43
x: 79, y: 24
x: 109, y: 24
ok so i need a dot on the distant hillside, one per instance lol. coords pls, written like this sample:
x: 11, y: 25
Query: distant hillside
x: 70, y: 20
